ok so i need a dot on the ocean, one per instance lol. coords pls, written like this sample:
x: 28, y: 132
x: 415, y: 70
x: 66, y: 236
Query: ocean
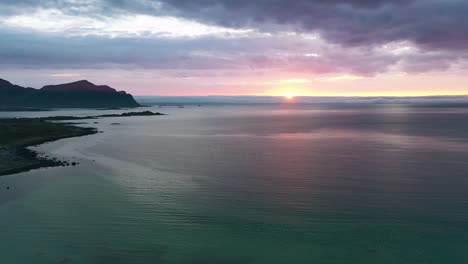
x: 246, y: 182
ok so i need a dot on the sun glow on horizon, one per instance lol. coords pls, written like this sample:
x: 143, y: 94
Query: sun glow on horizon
x: 289, y: 96
x: 289, y: 92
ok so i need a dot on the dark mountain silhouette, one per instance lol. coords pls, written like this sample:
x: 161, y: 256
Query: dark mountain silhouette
x: 80, y: 94
x: 79, y: 86
x: 8, y: 86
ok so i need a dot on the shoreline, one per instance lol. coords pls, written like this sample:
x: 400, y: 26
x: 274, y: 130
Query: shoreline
x: 17, y: 135
x: 16, y: 156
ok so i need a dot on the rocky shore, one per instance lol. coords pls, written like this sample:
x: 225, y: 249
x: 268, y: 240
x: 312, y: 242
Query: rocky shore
x: 18, y: 134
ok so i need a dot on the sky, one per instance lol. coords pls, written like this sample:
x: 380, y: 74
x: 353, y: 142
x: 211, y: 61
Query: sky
x: 240, y: 47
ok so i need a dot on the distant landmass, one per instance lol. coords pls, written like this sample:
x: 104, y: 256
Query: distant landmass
x: 80, y: 94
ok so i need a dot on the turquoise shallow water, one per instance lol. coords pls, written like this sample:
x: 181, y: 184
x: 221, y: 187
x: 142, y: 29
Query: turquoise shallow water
x: 249, y: 184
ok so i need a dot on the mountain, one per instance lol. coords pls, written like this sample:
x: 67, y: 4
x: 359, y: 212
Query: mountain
x: 79, y: 86
x: 8, y: 86
x: 80, y: 94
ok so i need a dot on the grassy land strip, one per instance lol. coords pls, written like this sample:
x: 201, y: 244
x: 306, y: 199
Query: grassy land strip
x: 18, y: 134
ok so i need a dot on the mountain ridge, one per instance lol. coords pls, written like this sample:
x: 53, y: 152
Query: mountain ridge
x: 78, y: 86
x: 79, y: 94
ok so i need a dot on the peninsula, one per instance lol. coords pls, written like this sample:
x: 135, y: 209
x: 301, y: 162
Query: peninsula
x: 17, y: 134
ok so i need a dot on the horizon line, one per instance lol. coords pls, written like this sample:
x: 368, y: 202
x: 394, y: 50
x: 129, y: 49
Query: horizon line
x: 312, y: 96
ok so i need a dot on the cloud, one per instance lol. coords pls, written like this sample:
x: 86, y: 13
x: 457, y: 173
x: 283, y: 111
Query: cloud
x: 277, y: 52
x: 191, y: 37
x: 65, y: 75
x: 430, y: 24
x: 53, y: 20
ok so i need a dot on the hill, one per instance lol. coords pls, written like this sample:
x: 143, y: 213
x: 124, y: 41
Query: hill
x: 80, y: 94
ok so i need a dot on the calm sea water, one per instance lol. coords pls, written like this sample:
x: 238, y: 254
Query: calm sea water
x: 248, y: 184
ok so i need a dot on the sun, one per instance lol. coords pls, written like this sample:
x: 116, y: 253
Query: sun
x: 289, y: 96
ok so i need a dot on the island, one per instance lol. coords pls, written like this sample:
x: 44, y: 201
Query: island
x: 17, y: 134
x: 80, y: 94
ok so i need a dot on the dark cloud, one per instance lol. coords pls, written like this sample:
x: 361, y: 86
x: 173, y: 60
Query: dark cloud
x: 35, y: 50
x: 353, y: 29
x: 53, y: 51
x: 431, y: 24
x: 22, y: 6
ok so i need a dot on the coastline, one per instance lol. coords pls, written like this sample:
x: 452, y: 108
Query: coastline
x: 18, y: 134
